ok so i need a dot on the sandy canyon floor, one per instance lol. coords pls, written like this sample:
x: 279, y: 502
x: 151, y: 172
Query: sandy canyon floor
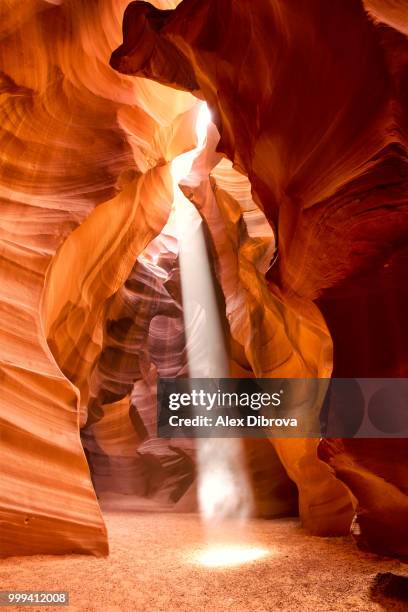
x: 155, y: 564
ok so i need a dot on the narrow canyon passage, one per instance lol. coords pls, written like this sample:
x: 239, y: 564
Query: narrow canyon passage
x: 200, y: 200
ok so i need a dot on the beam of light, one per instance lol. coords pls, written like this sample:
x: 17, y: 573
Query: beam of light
x: 206, y: 352
x: 230, y: 556
x: 224, y: 491
x: 223, y: 485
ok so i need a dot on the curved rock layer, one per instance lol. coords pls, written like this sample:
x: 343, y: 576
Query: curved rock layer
x: 272, y: 336
x: 310, y: 209
x: 83, y: 152
x: 143, y: 338
x: 381, y: 486
x: 390, y: 12
x: 320, y: 129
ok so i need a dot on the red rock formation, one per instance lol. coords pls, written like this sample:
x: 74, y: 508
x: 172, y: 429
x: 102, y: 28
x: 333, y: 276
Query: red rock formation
x: 143, y: 339
x: 391, y: 12
x: 315, y: 131
x: 380, y: 483
x: 84, y: 187
x: 319, y: 128
x: 269, y: 337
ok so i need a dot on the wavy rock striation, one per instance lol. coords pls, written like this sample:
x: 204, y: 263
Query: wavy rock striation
x: 85, y: 186
x: 303, y: 191
x: 320, y: 130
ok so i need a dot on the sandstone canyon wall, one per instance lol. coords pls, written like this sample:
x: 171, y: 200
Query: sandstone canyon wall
x: 318, y: 125
x: 83, y: 193
x: 303, y: 191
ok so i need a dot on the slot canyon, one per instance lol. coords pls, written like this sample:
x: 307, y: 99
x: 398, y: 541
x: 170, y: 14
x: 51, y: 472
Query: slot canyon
x: 204, y: 189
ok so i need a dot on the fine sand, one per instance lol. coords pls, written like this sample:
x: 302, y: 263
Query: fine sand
x: 155, y: 565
